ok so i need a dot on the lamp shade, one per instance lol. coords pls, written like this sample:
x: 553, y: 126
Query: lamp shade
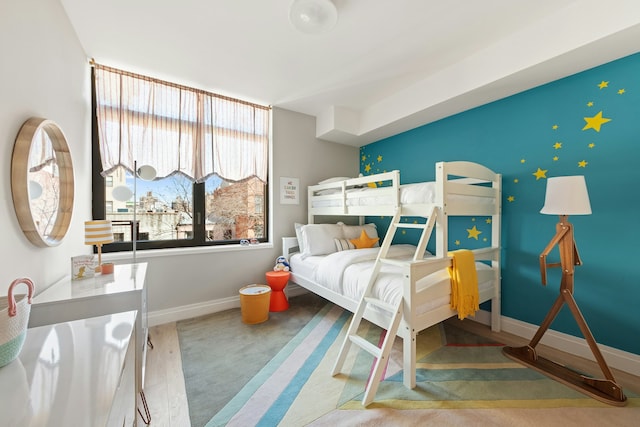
x: 98, y: 232
x: 566, y: 195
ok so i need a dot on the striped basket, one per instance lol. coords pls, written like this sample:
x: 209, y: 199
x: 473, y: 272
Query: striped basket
x: 14, y: 318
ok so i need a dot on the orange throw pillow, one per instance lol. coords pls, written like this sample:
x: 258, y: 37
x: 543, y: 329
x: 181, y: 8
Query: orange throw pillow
x: 364, y: 241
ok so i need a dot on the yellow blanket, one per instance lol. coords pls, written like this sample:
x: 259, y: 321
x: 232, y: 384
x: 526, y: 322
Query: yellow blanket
x: 464, y: 283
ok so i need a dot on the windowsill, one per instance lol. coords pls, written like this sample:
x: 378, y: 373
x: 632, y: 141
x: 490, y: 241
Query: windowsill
x: 159, y: 253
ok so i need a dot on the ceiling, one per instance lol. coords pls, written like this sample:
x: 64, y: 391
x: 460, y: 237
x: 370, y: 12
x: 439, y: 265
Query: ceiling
x: 386, y: 67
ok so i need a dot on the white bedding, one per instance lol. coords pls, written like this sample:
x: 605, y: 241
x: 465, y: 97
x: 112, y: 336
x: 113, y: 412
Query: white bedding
x: 410, y: 194
x: 422, y: 192
x: 347, y: 273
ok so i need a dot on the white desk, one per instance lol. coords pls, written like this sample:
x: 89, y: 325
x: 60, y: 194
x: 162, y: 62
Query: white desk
x: 78, y: 373
x: 124, y: 290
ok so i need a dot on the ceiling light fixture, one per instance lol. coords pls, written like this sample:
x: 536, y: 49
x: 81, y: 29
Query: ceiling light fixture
x: 313, y: 16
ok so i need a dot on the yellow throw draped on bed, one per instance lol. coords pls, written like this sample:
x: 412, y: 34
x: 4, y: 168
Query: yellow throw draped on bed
x: 464, y: 283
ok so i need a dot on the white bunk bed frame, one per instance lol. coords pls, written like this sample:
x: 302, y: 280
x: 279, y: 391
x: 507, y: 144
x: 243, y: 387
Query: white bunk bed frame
x: 453, y: 179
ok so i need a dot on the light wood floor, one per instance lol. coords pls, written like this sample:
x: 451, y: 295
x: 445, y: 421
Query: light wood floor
x: 164, y: 382
x: 167, y: 399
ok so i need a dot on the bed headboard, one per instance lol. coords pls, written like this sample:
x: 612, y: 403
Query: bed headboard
x: 289, y: 246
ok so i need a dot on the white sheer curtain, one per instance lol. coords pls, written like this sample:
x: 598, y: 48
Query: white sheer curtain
x: 177, y: 129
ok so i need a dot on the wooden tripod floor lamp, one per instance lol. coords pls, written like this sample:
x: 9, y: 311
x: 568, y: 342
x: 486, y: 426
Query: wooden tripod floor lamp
x: 567, y: 195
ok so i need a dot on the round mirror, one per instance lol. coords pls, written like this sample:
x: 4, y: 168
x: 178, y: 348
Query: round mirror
x: 42, y: 182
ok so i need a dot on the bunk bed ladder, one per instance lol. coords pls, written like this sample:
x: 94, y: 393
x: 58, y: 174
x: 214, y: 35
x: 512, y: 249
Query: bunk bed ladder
x: 381, y: 354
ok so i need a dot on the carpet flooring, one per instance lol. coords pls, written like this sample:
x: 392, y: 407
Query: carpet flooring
x: 220, y: 354
x: 462, y: 378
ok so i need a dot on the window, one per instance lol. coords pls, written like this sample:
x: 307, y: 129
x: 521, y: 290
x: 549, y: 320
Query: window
x: 210, y: 153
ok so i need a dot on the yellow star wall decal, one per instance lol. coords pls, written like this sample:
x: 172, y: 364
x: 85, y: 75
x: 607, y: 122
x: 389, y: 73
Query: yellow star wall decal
x: 470, y: 232
x: 540, y: 174
x: 473, y: 232
x: 557, y: 146
x: 563, y: 165
x: 595, y: 122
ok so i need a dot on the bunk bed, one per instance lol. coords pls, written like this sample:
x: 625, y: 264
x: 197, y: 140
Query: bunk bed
x: 420, y: 278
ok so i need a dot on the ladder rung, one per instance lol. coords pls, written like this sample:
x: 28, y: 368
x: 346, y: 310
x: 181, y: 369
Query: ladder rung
x: 410, y: 225
x: 366, y: 345
x: 383, y: 305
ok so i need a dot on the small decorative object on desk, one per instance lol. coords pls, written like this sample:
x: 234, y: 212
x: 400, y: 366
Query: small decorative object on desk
x: 82, y: 267
x: 14, y: 318
x: 106, y: 268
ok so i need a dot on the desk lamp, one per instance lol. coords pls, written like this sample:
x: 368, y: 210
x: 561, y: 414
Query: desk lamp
x: 98, y: 232
x: 567, y: 195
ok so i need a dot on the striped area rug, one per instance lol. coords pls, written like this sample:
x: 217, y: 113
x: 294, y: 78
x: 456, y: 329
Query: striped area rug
x: 460, y: 376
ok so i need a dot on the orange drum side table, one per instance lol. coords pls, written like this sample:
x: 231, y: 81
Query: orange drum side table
x: 277, y: 281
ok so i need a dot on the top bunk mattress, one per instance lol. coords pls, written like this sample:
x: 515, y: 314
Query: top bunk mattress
x: 410, y: 194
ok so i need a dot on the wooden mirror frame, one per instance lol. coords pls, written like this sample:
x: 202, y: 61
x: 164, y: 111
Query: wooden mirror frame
x: 20, y: 181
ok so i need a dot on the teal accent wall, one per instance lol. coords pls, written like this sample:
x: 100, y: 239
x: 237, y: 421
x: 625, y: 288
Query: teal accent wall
x: 586, y: 124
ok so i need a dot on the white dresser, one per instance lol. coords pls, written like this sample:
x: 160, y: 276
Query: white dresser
x: 124, y: 290
x: 79, y: 373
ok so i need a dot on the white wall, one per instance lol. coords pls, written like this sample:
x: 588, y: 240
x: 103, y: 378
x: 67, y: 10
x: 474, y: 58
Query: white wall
x: 43, y: 73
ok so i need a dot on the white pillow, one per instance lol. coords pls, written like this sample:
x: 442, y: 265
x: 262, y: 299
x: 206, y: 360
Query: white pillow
x: 319, y: 238
x: 343, y: 244
x: 354, y: 231
x: 334, y: 179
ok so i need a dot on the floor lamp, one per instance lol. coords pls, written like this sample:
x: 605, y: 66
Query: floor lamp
x: 567, y: 195
x: 123, y: 193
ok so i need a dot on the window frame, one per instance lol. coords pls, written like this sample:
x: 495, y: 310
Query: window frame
x: 98, y: 204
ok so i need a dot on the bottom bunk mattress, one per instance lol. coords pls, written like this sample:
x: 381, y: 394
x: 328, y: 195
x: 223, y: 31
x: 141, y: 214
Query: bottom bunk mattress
x: 347, y: 273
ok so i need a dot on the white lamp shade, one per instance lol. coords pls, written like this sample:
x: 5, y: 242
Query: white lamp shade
x: 566, y: 195
x: 98, y: 232
x: 146, y: 172
x: 122, y: 193
x: 313, y: 16
x: 35, y: 190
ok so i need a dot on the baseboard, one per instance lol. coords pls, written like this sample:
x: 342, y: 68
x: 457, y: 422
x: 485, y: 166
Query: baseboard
x: 190, y: 311
x: 618, y: 359
x: 175, y: 314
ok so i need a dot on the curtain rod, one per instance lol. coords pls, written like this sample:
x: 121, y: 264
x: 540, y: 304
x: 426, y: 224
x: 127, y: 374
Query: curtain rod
x: 93, y: 63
